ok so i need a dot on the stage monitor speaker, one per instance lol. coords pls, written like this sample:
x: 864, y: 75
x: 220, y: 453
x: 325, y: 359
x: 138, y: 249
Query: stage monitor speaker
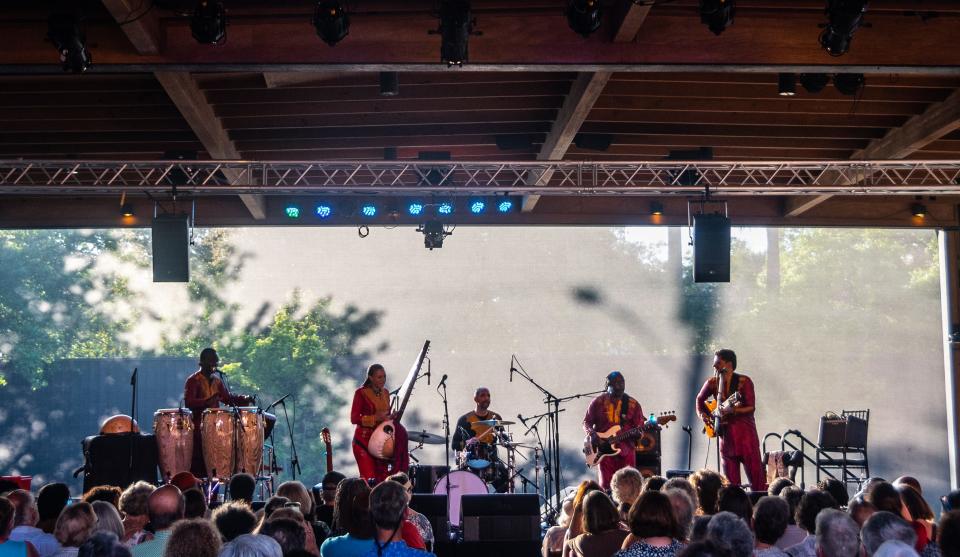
x: 434, y: 507
x: 501, y: 517
x: 648, y: 464
x: 649, y: 443
x: 677, y: 473
x: 711, y: 248
x: 171, y: 248
x: 107, y: 460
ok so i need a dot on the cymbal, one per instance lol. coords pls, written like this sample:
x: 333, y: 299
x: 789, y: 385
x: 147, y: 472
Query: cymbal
x: 495, y: 423
x: 425, y: 437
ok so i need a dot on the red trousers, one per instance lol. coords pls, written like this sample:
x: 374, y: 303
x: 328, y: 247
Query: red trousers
x: 610, y: 464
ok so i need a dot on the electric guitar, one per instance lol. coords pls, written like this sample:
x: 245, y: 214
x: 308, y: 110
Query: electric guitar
x: 325, y: 435
x: 715, y: 426
x: 610, y: 439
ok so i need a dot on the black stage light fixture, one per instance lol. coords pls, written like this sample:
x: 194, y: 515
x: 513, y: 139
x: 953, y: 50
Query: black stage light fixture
x: 456, y: 24
x: 65, y: 32
x: 656, y: 208
x: 918, y: 210
x: 389, y: 84
x: 433, y: 234
x: 717, y: 15
x: 849, y: 83
x: 583, y: 16
x: 787, y: 85
x: 814, y: 82
x: 844, y: 18
x: 331, y: 21
x: 208, y: 24
x: 126, y: 210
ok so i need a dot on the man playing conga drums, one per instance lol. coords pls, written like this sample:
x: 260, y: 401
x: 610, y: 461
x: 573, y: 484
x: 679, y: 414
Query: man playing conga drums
x: 204, y: 390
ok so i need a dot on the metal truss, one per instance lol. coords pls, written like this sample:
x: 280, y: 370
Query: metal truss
x: 740, y: 178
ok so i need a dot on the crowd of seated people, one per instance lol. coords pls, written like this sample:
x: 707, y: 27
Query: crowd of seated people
x: 701, y: 516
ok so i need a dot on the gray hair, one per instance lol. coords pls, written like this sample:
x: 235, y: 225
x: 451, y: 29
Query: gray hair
x: 895, y: 548
x: 728, y: 531
x: 837, y: 534
x: 250, y: 545
x: 133, y: 500
x: 884, y: 526
x: 683, y: 509
x: 625, y: 485
x: 108, y: 518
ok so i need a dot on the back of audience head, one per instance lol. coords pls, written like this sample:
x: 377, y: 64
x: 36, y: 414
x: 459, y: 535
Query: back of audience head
x: 193, y: 537
x: 351, y: 509
x: 297, y: 492
x: 242, y: 486
x: 895, y: 548
x: 75, y: 524
x: 810, y: 506
x: 735, y: 500
x: 288, y: 532
x: 103, y: 544
x: 883, y: 526
x: 403, y: 479
x: 133, y: 500
x: 25, y: 511
x: 326, y: 491
x: 165, y: 506
x: 685, y: 485
x: 836, y: 489
x: 705, y: 548
x: 250, y: 545
x: 728, y: 530
x: 7, y: 511
x: 108, y: 518
x: 683, y: 510
x: 108, y: 493
x: 885, y: 497
x: 837, y: 534
x: 792, y: 495
x: 770, y: 518
x: 6, y: 486
x: 860, y: 509
x: 51, y: 500
x: 625, y: 486
x: 778, y: 485
x: 910, y: 481
x: 388, y: 500
x: 652, y: 516
x: 194, y: 504
x: 915, y: 503
x: 708, y: 484
x: 599, y: 513
x: 653, y: 483
x: 274, y: 503
x: 948, y: 534
x: 234, y: 519
x: 951, y: 501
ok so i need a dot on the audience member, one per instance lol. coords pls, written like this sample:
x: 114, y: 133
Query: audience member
x: 836, y: 489
x: 809, y: 507
x: 51, y: 500
x: 292, y: 513
x: 185, y: 480
x: 576, y: 519
x: 324, y: 494
x: 729, y: 531
x: 164, y: 507
x: 108, y: 518
x: 837, y: 534
x: 708, y: 484
x: 133, y: 505
x: 948, y: 534
x: 885, y: 497
x: 860, y: 509
x: 654, y: 531
x: 193, y: 537
x: 793, y: 534
x: 653, y: 483
x: 194, y: 504
x: 7, y: 546
x: 625, y: 487
x: 108, y: 493
x: 387, y: 502
x: 895, y: 548
x: 241, y: 487
x: 735, y: 500
x: 249, y: 545
x: 778, y: 485
x: 883, y: 526
x: 103, y: 544
x: 770, y: 518
x: 553, y: 539
x: 25, y: 521
x: 919, y: 514
x: 288, y: 532
x: 418, y: 520
x: 910, y: 481
x: 602, y: 535
x: 685, y: 485
x: 276, y: 502
x: 73, y: 528
x: 234, y: 519
x: 704, y: 548
x: 683, y: 509
x: 351, y: 518
x: 951, y: 501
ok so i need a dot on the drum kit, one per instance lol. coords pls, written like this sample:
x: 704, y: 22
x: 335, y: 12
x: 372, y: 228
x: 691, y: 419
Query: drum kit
x: 232, y: 440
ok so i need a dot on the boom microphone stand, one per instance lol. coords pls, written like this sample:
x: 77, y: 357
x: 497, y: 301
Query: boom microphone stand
x: 133, y: 418
x: 294, y: 459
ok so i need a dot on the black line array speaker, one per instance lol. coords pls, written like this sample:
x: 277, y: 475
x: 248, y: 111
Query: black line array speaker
x: 171, y: 249
x: 501, y: 517
x: 711, y: 248
x: 434, y: 507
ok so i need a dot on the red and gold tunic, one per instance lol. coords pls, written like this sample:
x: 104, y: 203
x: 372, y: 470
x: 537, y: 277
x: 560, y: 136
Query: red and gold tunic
x: 366, y: 404
x: 197, y: 390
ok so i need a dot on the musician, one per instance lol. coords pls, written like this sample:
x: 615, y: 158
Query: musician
x: 371, y: 407
x: 204, y: 390
x: 614, y: 407
x: 467, y: 426
x: 739, y: 443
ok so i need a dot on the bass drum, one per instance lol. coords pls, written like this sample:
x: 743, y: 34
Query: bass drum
x: 461, y: 483
x: 174, y: 430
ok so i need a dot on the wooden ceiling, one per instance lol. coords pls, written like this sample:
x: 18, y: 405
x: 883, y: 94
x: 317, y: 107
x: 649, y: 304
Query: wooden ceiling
x: 652, y: 80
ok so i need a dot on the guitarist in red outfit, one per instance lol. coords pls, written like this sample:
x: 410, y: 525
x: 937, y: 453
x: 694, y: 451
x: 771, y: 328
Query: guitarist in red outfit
x: 614, y: 407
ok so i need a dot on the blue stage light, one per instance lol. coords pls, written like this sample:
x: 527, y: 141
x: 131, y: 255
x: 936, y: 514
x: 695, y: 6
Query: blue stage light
x: 415, y: 208
x: 445, y: 208
x: 505, y: 205
x: 478, y: 206
x: 368, y: 210
x: 324, y: 211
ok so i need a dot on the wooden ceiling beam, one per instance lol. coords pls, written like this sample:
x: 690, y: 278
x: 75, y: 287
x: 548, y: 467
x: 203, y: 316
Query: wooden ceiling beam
x: 937, y: 121
x: 139, y: 22
x: 632, y: 18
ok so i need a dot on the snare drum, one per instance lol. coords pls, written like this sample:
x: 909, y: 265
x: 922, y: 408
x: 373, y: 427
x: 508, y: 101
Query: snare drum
x: 218, y: 431
x: 173, y: 428
x: 461, y: 483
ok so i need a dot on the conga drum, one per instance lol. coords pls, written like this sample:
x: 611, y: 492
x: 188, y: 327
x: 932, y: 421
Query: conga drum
x: 218, y: 431
x: 250, y: 441
x: 173, y: 428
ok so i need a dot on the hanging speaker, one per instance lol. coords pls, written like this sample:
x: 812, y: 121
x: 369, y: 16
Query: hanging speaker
x: 711, y: 248
x: 171, y: 249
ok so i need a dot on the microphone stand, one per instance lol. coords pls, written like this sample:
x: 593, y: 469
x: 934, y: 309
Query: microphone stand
x: 294, y: 459
x: 446, y: 448
x: 133, y: 418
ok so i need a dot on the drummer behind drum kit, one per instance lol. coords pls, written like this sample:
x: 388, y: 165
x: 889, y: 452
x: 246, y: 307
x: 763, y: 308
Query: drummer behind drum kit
x: 232, y: 440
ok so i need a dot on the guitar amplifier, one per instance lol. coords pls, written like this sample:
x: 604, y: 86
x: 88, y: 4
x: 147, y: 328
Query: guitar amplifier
x: 107, y: 460
x: 838, y: 433
x: 649, y: 443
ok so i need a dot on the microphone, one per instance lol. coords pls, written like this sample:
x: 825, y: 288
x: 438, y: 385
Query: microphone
x: 133, y: 378
x: 512, y: 369
x: 686, y: 428
x: 279, y: 401
x: 523, y: 421
x: 443, y: 381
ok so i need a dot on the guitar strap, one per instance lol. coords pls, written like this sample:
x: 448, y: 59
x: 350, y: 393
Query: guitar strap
x: 734, y: 382
x: 624, y: 408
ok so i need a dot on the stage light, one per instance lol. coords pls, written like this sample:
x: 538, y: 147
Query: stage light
x: 67, y: 36
x: 433, y: 234
x: 849, y: 83
x: 504, y: 205
x: 445, y: 208
x: 324, y: 210
x: 478, y: 206
x: 126, y: 210
x: 845, y: 17
x: 656, y: 208
x: 389, y: 84
x: 368, y: 210
x: 456, y: 24
x: 584, y: 16
x: 292, y: 211
x: 717, y: 15
x: 208, y: 24
x: 415, y: 208
x: 787, y: 85
x: 814, y: 82
x: 331, y: 21
x: 918, y: 210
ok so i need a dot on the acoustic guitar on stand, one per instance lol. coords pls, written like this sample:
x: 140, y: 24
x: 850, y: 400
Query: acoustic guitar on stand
x: 325, y: 435
x: 609, y: 440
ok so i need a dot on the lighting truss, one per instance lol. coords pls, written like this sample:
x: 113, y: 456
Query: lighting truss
x: 734, y: 178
